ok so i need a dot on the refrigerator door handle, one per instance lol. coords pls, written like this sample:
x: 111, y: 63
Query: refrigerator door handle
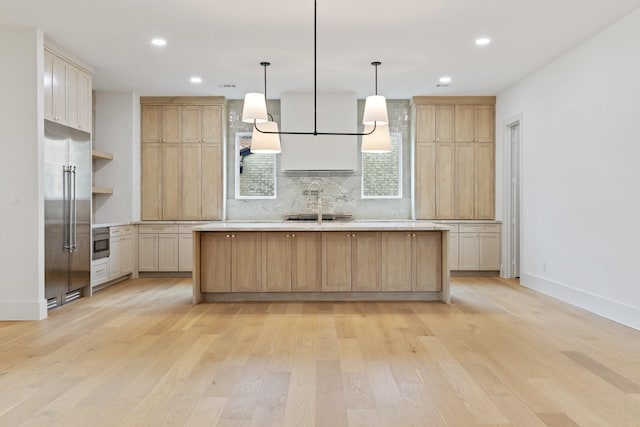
x: 66, y: 215
x: 74, y: 213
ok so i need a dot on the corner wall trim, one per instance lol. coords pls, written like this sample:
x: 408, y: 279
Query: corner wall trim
x: 23, y: 310
x: 612, y: 310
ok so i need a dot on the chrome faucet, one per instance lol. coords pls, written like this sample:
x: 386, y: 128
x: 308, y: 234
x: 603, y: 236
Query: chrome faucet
x: 318, y: 200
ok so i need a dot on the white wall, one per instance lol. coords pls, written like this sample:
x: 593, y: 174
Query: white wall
x: 581, y: 171
x: 117, y: 131
x: 22, y: 211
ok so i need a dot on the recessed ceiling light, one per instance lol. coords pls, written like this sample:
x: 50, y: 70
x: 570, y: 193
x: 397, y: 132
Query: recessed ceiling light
x: 196, y: 79
x: 159, y: 42
x: 483, y: 41
x: 445, y: 79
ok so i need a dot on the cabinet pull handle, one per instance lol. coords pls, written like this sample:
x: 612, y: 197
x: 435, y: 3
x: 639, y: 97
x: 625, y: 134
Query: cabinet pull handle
x: 98, y: 271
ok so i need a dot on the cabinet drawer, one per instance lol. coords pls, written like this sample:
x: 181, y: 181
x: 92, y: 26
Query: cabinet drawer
x: 479, y: 228
x: 121, y: 230
x: 99, y: 271
x: 160, y: 228
x: 186, y: 228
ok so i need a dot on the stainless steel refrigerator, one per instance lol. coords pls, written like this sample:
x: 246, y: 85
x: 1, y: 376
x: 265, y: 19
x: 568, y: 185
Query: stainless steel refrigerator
x: 67, y: 206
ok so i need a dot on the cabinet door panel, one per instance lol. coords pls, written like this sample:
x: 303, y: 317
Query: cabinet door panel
x: 167, y: 252
x: 59, y: 93
x: 246, y: 262
x: 425, y: 181
x: 85, y: 104
x: 485, y: 181
x: 215, y: 272
x: 127, y: 254
x: 445, y: 123
x: 72, y: 98
x: 212, y: 124
x: 191, y: 190
x: 307, y: 262
x: 115, y: 258
x: 148, y: 252
x: 484, y: 123
x: 465, y: 180
x: 185, y: 252
x: 489, y: 251
x: 365, y: 262
x: 48, y: 85
x: 191, y: 124
x: 426, y: 123
x: 151, y: 182
x: 445, y: 180
x: 171, y: 123
x: 276, y: 261
x: 469, y: 251
x: 151, y: 127
x: 212, y: 181
x: 396, y: 261
x: 170, y: 181
x: 428, y: 261
x: 465, y: 123
x: 453, y: 252
x: 336, y: 262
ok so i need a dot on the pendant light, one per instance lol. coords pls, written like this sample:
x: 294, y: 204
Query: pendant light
x: 255, y: 111
x: 375, y: 114
x: 378, y: 141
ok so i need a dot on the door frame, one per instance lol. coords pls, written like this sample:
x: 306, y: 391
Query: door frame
x: 507, y: 236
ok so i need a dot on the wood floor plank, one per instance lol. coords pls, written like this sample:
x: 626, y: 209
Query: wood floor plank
x: 139, y: 353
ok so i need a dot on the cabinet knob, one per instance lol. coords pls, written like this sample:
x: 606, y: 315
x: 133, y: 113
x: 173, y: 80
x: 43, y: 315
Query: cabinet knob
x: 288, y: 235
x: 409, y: 235
x: 228, y: 235
x: 437, y: 139
x: 293, y: 235
x: 233, y: 236
x: 414, y: 234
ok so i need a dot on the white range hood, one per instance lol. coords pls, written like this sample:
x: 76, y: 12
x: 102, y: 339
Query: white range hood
x: 337, y: 112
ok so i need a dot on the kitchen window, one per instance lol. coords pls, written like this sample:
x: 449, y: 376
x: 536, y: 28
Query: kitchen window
x: 255, y: 173
x: 382, y: 172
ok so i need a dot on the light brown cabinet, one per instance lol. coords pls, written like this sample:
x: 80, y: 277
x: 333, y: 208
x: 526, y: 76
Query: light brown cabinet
x: 291, y: 262
x: 190, y: 183
x: 236, y: 262
x: 350, y: 261
x: 67, y: 93
x: 454, y: 158
x: 280, y: 262
x: 411, y: 261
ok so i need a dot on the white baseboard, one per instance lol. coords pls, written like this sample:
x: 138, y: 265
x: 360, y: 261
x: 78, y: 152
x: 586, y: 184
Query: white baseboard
x: 23, y: 310
x: 613, y: 310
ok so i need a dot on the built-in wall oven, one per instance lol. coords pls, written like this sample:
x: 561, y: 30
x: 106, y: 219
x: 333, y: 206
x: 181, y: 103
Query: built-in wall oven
x: 100, y: 242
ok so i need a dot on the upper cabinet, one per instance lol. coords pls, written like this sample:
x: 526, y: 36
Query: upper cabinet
x: 182, y: 158
x: 455, y: 157
x: 67, y: 93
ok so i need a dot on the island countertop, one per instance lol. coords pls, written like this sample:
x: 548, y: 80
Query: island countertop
x: 373, y: 225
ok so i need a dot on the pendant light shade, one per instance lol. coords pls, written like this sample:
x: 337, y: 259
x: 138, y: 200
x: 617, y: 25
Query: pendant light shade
x: 377, y: 142
x: 266, y: 143
x: 375, y: 111
x: 255, y: 108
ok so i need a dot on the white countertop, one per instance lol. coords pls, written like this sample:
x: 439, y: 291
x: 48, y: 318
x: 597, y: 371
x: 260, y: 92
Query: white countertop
x: 394, y: 225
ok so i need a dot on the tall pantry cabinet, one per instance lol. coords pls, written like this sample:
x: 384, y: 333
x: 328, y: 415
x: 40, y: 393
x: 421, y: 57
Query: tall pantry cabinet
x: 182, y: 158
x: 455, y: 157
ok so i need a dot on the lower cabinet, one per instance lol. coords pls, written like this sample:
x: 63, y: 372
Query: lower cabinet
x: 121, y: 251
x: 234, y: 262
x: 157, y: 248
x: 411, y: 261
x: 332, y: 261
x: 99, y: 271
x: 350, y: 261
x: 474, y: 247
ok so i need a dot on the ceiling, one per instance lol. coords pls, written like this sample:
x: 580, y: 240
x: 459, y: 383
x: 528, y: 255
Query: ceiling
x: 223, y: 42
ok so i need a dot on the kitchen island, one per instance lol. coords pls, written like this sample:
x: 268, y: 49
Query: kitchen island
x: 332, y: 261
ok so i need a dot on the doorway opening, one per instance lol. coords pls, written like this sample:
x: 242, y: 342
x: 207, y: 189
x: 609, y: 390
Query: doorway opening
x: 513, y: 193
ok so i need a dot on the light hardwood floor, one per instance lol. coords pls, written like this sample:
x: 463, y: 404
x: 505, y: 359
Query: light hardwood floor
x: 139, y: 354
